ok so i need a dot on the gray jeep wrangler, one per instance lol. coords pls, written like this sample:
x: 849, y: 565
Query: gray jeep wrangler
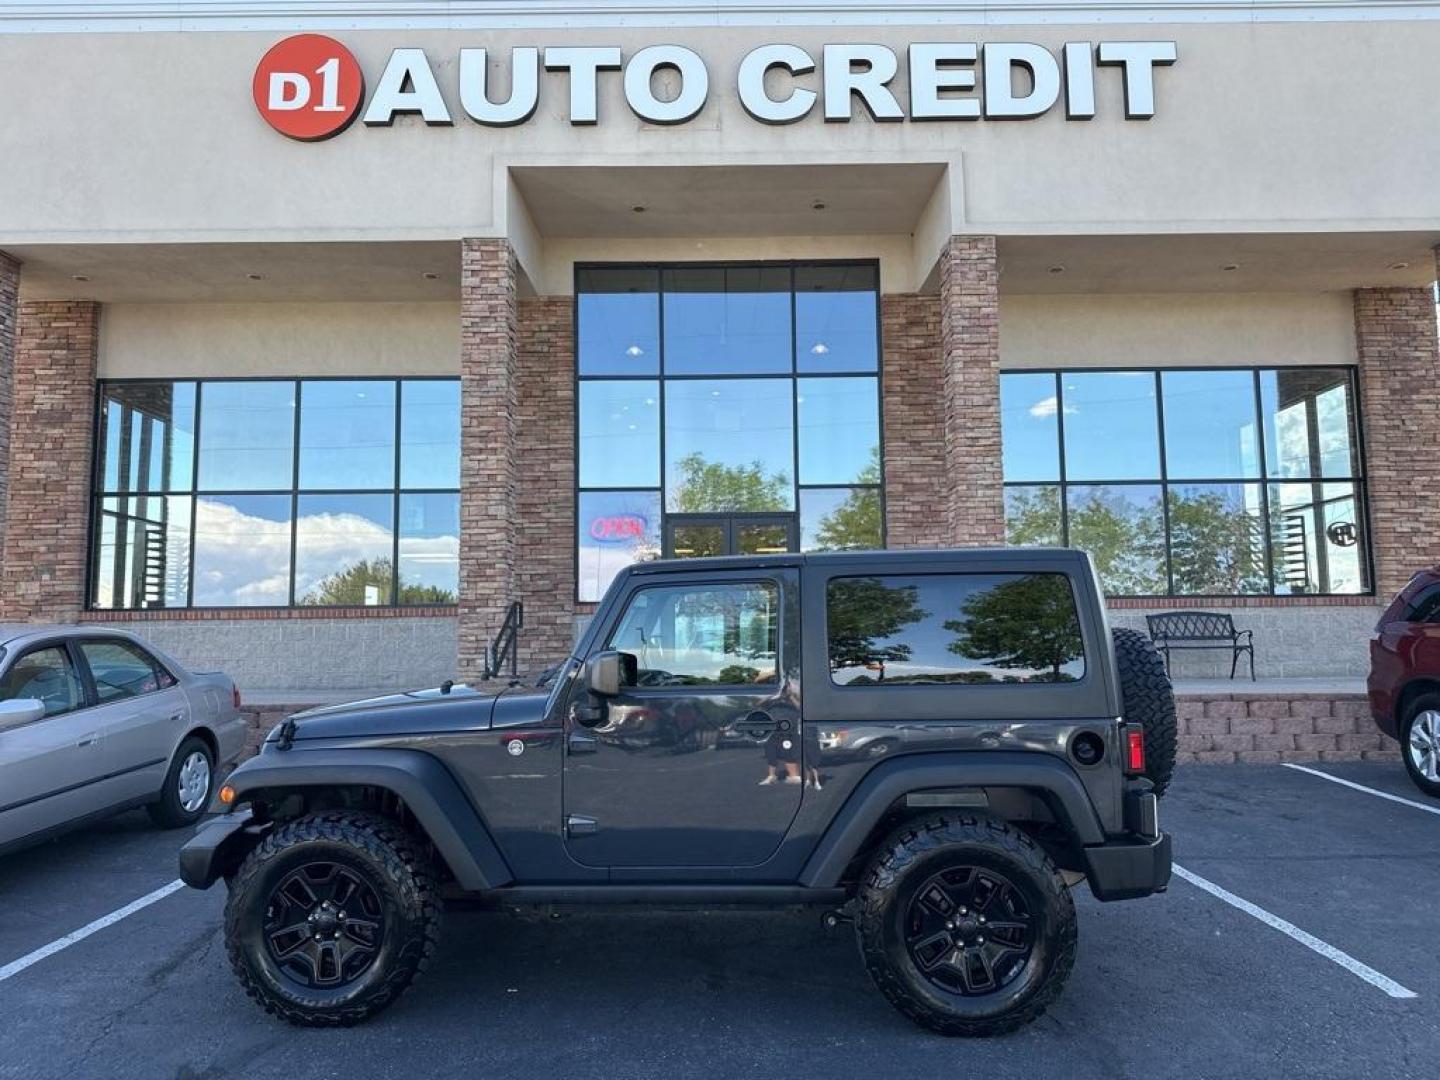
x: 935, y: 745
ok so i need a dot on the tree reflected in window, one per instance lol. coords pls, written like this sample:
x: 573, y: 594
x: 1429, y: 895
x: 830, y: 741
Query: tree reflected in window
x: 953, y: 628
x: 1027, y: 624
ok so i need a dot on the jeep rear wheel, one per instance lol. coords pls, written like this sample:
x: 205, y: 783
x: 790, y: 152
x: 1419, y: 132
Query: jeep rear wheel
x: 965, y: 925
x: 1148, y: 699
x: 330, y: 918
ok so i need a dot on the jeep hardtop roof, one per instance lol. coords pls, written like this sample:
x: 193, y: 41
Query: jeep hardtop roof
x: 1046, y: 558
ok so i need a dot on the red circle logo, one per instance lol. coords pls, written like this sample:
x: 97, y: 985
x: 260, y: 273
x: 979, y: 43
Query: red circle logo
x: 308, y: 87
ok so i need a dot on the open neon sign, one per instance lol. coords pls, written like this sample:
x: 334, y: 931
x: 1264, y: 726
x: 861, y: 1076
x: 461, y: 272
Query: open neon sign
x: 618, y: 528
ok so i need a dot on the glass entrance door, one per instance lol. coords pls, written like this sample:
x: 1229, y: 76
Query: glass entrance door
x: 693, y: 536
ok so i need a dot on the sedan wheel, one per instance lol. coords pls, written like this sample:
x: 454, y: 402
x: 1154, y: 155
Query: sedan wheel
x: 194, y: 782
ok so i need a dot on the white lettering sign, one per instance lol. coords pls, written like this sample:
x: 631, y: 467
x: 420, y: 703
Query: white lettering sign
x: 775, y: 84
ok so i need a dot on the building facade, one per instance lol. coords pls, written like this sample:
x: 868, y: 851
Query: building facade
x: 328, y: 332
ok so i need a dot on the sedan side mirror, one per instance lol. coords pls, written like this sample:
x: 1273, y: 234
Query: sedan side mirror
x: 18, y: 712
x: 609, y: 672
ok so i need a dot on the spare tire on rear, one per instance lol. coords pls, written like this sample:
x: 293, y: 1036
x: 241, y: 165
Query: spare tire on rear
x: 1148, y: 700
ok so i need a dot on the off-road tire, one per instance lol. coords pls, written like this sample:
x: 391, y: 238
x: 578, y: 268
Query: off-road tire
x: 1148, y: 699
x: 167, y: 811
x: 903, y: 862
x: 401, y: 877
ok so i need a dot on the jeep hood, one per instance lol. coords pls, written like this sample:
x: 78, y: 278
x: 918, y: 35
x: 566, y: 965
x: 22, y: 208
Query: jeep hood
x: 414, y: 712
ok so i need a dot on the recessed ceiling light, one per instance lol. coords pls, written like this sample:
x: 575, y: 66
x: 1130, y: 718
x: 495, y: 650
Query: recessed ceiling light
x: 1228, y: 267
x: 79, y: 277
x: 1057, y: 269
x: 1400, y: 266
x: 638, y: 209
x: 256, y: 277
x: 817, y: 205
x: 819, y: 348
x: 634, y: 352
x: 430, y: 275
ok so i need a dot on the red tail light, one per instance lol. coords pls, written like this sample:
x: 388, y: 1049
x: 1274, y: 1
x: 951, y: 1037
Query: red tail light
x: 1134, y: 750
x: 235, y: 696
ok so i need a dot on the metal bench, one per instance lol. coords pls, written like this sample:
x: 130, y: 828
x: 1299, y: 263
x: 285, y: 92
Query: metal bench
x: 1200, y: 630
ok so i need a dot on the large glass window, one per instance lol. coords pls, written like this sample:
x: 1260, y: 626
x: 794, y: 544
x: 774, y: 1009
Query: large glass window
x: 953, y: 628
x: 723, y: 390
x: 274, y: 492
x: 1218, y: 482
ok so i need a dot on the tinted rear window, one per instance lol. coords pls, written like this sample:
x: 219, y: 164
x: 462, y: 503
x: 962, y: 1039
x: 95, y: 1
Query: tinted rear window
x: 953, y: 628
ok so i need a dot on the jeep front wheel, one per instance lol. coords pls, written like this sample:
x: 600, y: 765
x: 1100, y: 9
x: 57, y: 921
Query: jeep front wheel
x: 965, y: 925
x: 330, y: 918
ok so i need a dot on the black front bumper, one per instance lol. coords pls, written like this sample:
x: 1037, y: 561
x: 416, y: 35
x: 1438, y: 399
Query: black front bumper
x: 218, y: 847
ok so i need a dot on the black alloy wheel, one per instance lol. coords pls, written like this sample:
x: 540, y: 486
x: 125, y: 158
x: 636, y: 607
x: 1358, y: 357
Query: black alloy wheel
x: 965, y: 924
x: 331, y: 917
x: 969, y: 930
x: 324, y: 925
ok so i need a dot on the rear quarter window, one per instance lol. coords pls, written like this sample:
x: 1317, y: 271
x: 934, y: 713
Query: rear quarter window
x: 942, y: 629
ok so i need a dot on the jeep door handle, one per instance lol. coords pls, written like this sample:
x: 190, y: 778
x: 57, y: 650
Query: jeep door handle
x: 760, y: 724
x: 582, y: 744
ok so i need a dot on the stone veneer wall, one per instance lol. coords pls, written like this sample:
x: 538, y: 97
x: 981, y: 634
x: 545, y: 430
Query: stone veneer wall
x: 545, y: 465
x: 51, y: 434
x: 1266, y: 729
x: 1395, y: 338
x: 489, y: 410
x: 912, y: 390
x: 9, y: 316
x: 973, y: 500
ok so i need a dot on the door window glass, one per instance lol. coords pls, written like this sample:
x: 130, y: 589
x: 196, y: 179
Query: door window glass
x: 46, y: 675
x: 122, y: 670
x: 703, y: 635
x: 953, y: 628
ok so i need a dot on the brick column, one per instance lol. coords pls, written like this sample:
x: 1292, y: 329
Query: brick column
x: 913, y: 399
x: 488, y: 480
x: 9, y: 315
x: 51, y: 431
x: 970, y: 353
x: 545, y: 502
x: 1395, y: 342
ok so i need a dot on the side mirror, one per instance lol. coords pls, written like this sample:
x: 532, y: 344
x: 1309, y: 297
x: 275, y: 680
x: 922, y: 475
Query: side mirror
x: 609, y: 672
x: 20, y: 711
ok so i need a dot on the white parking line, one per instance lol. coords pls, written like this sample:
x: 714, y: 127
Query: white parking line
x: 1310, y: 941
x: 1362, y: 787
x: 17, y: 966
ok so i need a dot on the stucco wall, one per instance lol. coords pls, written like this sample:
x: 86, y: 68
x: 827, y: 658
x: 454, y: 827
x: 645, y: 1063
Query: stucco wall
x: 1163, y: 330
x: 152, y: 136
x: 217, y: 340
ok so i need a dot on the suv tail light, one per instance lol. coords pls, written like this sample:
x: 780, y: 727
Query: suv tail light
x: 235, y: 696
x: 1134, y: 749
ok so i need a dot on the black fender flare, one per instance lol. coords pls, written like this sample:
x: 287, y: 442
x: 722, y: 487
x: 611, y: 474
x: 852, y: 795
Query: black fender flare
x: 427, y: 788
x: 1050, y: 777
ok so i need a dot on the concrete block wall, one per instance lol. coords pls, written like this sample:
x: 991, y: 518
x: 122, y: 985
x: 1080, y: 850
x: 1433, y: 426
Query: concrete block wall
x: 1268, y: 729
x: 312, y: 653
x: 1290, y: 642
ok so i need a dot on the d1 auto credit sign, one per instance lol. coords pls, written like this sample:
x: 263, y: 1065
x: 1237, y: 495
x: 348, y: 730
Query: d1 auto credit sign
x: 309, y: 87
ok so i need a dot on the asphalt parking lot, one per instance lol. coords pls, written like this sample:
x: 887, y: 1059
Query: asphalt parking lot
x: 1184, y: 984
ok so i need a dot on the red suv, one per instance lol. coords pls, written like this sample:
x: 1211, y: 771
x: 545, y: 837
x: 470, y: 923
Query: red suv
x: 1404, y: 680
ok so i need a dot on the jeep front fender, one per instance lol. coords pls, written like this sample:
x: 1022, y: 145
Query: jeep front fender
x: 1051, y: 778
x: 426, y: 787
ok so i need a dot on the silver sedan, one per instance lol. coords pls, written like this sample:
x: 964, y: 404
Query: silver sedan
x: 94, y: 720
